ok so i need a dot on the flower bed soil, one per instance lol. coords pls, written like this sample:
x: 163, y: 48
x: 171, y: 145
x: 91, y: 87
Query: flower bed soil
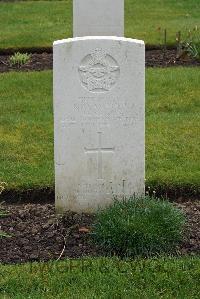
x: 44, y: 61
x: 37, y: 234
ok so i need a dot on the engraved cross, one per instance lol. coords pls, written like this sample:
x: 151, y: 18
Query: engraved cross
x: 99, y: 150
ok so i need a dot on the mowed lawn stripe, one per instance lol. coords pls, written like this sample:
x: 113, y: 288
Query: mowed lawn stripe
x: 103, y: 278
x: 172, y: 129
x: 38, y: 23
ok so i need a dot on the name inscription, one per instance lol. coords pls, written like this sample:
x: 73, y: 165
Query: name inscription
x: 103, y: 112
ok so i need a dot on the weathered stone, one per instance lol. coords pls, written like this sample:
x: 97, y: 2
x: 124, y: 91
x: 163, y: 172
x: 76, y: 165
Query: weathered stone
x: 98, y: 18
x: 99, y: 121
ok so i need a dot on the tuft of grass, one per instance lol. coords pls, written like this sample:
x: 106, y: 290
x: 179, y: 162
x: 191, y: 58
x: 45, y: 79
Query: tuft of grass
x: 103, y: 278
x: 19, y: 59
x: 4, y: 235
x: 38, y: 23
x: 141, y: 226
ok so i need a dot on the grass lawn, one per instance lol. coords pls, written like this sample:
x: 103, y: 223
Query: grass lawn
x: 103, y: 278
x: 172, y: 129
x: 39, y: 23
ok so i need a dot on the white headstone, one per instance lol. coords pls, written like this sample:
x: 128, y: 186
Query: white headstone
x: 98, y: 18
x: 99, y: 121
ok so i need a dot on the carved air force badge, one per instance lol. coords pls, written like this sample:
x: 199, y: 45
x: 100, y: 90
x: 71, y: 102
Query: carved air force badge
x: 99, y: 71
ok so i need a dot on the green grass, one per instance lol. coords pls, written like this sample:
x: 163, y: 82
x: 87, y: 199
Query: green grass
x: 141, y: 226
x: 26, y: 129
x: 34, y: 23
x: 103, y: 278
x: 172, y: 129
x: 39, y: 23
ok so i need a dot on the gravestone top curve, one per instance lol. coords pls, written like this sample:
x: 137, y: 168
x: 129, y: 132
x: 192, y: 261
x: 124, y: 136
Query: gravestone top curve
x: 101, y: 38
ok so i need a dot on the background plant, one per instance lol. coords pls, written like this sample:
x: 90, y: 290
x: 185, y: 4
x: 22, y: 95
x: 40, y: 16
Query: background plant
x: 2, y: 213
x: 20, y: 59
x: 139, y: 227
x: 190, y: 45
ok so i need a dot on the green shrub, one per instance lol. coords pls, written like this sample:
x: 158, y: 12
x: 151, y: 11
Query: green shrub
x: 139, y: 227
x: 19, y: 59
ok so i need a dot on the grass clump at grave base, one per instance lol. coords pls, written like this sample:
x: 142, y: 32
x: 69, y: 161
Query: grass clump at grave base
x: 38, y: 23
x: 103, y: 278
x: 172, y: 129
x: 138, y: 227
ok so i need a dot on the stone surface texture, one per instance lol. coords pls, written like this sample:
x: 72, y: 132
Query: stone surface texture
x: 98, y: 18
x: 99, y: 110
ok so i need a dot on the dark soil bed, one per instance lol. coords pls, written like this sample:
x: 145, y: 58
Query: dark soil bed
x: 38, y: 62
x: 38, y: 235
x: 44, y: 61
